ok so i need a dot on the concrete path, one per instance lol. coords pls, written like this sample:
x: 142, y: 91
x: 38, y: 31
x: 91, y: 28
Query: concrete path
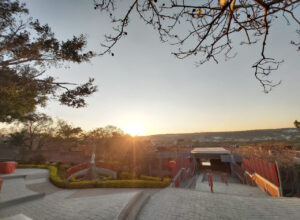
x: 65, y: 204
x: 175, y: 203
x: 135, y: 205
x: 229, y: 202
x: 13, y: 189
x: 233, y: 187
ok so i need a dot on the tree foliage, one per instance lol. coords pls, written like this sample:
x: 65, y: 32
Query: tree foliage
x: 297, y: 124
x: 27, y: 50
x: 206, y: 28
x: 66, y: 130
x: 31, y: 131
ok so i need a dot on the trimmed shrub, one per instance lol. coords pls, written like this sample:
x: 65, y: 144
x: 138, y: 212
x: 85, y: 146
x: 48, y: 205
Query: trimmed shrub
x: 126, y: 176
x: 152, y: 178
x: 73, y: 179
x: 167, y: 179
x: 129, y: 183
x: 81, y: 184
x: 42, y: 166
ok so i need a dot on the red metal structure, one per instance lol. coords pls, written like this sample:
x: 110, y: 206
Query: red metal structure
x: 264, y: 168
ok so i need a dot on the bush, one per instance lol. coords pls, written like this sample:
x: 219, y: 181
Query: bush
x: 41, y: 166
x: 151, y: 178
x: 77, y: 178
x: 126, y: 176
x: 167, y: 179
x: 74, y: 179
x: 129, y: 183
x: 81, y: 184
x: 55, y: 179
x: 105, y: 176
x: 62, y: 169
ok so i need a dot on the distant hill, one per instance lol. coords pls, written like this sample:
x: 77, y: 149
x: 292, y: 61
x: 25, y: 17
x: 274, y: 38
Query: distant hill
x: 286, y: 135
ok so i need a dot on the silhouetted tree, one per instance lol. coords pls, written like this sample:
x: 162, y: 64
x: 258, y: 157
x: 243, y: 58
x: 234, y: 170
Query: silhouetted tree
x: 27, y: 50
x: 66, y: 130
x: 205, y: 28
x: 297, y: 124
x: 37, y: 127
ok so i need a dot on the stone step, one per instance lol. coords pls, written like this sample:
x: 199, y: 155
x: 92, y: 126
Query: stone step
x: 12, y: 176
x: 21, y: 199
x: 135, y: 205
x: 14, y: 190
x: 17, y: 217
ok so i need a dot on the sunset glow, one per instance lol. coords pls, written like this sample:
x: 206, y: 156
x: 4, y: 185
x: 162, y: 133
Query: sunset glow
x: 135, y: 129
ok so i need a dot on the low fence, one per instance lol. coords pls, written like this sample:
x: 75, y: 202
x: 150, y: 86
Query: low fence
x: 262, y: 167
x: 256, y: 171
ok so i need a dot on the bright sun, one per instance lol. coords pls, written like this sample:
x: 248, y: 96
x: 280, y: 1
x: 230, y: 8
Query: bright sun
x: 134, y: 129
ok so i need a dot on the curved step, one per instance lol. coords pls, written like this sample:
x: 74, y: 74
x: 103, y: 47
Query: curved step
x: 133, y: 207
x: 21, y: 199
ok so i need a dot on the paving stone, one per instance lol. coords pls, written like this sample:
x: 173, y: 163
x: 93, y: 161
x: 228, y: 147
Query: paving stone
x: 175, y: 203
x: 13, y: 189
x: 59, y: 203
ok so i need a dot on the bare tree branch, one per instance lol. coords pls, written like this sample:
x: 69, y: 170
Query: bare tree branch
x: 205, y: 28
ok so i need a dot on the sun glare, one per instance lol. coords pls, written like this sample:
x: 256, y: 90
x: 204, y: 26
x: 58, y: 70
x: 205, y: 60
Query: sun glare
x: 135, y: 129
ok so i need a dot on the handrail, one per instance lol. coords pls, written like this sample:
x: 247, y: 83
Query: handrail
x: 186, y: 172
x: 265, y: 184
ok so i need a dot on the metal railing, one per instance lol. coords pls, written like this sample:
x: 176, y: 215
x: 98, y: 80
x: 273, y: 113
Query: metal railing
x: 182, y: 175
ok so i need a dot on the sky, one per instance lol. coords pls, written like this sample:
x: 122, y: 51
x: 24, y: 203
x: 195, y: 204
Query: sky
x: 144, y: 84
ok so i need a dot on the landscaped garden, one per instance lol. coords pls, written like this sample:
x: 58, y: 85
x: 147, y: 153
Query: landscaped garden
x: 57, y: 174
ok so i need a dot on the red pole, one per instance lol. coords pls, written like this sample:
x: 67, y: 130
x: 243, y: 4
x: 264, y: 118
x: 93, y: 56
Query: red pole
x: 269, y: 172
x: 275, y: 174
x: 262, y: 162
x: 210, y: 181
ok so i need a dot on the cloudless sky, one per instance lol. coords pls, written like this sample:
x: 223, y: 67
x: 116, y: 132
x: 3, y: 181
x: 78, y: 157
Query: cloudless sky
x: 143, y: 83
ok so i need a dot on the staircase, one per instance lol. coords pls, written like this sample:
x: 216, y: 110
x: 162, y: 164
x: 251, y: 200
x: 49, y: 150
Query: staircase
x: 233, y: 187
x: 18, y: 188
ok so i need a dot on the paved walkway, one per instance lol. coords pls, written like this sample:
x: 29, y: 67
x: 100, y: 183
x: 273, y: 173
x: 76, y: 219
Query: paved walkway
x: 10, y: 193
x: 172, y: 203
x: 66, y: 204
x: 233, y: 187
x: 169, y: 203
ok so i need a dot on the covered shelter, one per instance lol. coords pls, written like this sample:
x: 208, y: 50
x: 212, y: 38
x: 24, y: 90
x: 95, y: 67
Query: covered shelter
x: 213, y: 158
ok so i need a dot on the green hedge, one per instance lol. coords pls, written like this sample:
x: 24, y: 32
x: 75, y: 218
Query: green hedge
x: 152, y: 178
x: 77, y: 178
x: 42, y: 166
x: 131, y: 183
x: 126, y: 176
